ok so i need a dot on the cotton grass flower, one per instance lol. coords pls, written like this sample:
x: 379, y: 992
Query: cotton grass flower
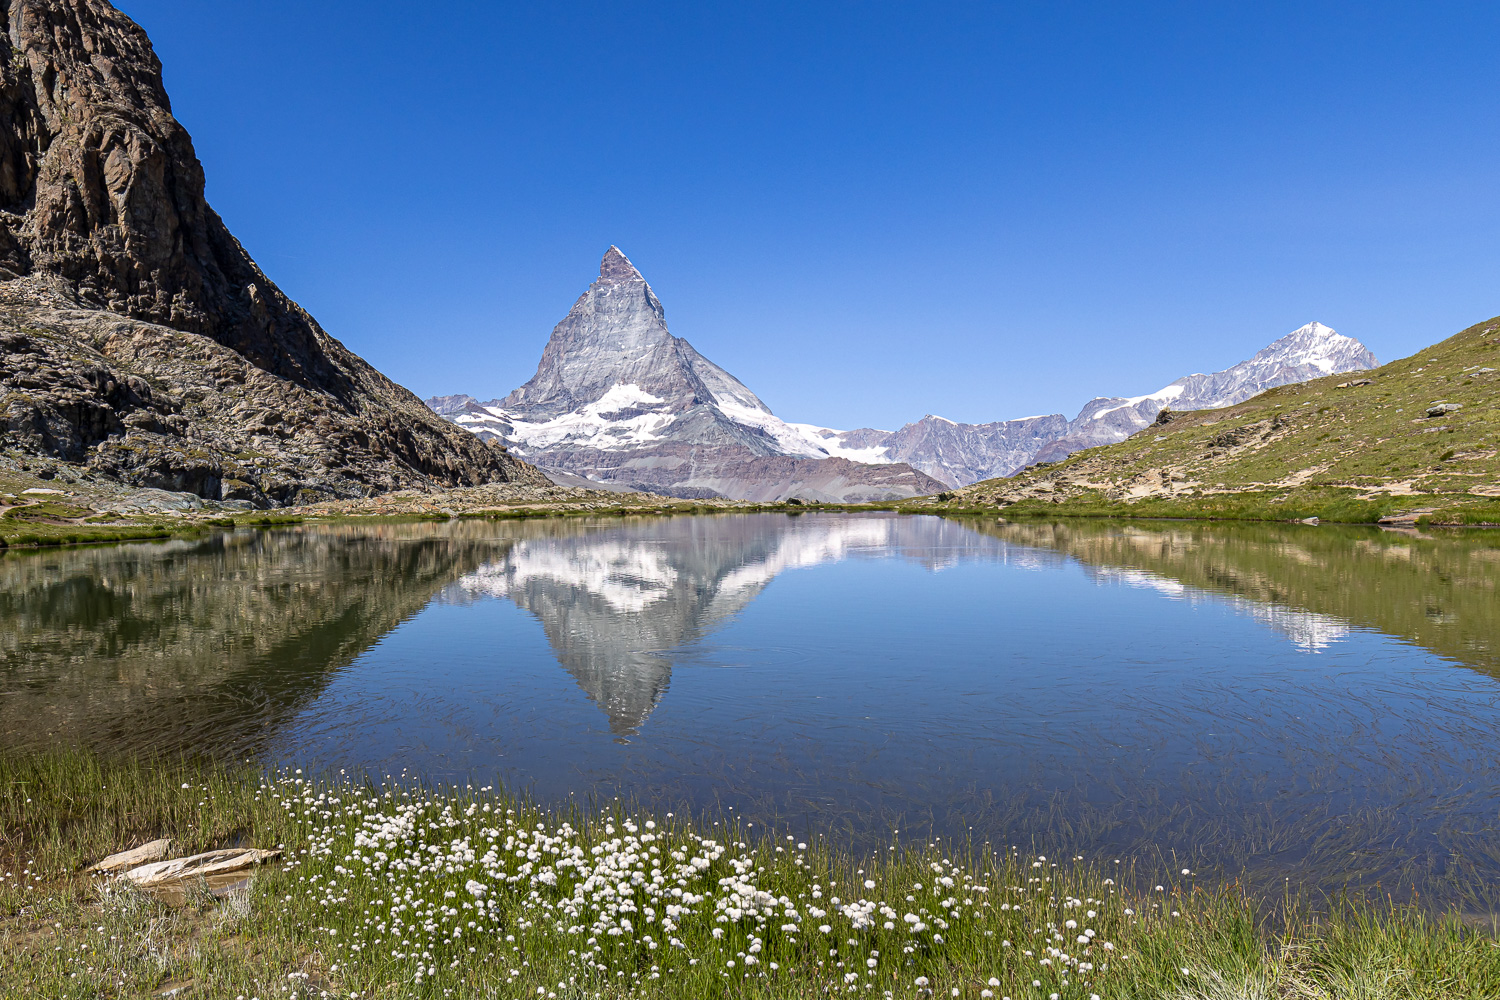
x: 426, y: 886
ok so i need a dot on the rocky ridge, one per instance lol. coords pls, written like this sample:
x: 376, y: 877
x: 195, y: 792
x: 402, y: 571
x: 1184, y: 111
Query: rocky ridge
x: 1413, y: 437
x: 960, y: 454
x: 138, y: 340
x: 618, y: 399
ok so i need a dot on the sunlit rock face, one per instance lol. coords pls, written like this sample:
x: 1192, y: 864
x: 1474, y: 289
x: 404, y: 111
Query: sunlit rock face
x: 138, y: 339
x: 617, y: 398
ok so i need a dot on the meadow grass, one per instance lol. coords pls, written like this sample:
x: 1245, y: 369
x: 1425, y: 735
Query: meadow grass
x: 409, y: 891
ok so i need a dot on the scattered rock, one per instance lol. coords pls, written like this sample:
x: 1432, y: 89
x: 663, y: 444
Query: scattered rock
x: 154, y: 851
x: 211, y: 863
x: 1356, y: 382
x: 1439, y: 409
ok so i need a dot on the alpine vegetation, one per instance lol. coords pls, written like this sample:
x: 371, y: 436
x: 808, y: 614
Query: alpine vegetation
x: 405, y: 891
x: 420, y: 888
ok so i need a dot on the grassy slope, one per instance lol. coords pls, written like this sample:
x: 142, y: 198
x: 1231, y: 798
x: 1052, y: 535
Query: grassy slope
x: 1354, y: 453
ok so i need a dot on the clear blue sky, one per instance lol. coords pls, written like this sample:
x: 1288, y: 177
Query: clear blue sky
x: 865, y: 211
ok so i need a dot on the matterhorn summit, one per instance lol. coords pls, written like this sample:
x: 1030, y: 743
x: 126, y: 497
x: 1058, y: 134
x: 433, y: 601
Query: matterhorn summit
x: 617, y: 399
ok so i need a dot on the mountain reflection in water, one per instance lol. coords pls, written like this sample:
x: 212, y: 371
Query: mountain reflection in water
x: 1274, y: 700
x: 616, y: 602
x: 210, y: 643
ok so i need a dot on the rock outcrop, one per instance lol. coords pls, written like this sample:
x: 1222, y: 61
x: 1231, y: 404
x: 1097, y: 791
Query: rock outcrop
x: 138, y: 339
x: 618, y: 399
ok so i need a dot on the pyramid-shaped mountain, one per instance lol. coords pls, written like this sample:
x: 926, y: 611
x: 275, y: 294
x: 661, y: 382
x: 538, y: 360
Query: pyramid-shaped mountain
x: 618, y: 399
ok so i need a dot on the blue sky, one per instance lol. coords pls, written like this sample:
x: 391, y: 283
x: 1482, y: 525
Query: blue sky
x: 865, y: 211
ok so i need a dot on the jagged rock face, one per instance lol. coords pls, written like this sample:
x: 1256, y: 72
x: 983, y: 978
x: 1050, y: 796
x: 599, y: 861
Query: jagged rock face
x: 617, y: 398
x: 615, y: 336
x: 960, y: 454
x: 966, y: 453
x: 103, y: 219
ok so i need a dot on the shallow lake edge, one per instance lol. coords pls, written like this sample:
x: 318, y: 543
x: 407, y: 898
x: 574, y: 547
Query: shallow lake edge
x: 65, y: 810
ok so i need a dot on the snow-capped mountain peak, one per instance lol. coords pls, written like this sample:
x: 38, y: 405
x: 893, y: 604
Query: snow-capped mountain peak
x: 960, y: 454
x: 618, y: 398
x: 614, y: 384
x: 1316, y: 345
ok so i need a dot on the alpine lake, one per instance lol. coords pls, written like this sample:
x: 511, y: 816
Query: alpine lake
x: 1313, y: 705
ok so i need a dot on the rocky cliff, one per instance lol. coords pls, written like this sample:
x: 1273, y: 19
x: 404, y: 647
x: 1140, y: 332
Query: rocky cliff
x: 138, y: 339
x: 617, y: 398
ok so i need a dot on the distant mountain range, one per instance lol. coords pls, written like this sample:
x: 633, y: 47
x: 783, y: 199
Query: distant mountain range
x: 1413, y: 438
x: 618, y: 399
x: 960, y: 454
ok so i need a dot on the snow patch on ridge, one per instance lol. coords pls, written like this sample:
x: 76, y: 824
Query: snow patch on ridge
x: 591, y: 424
x: 830, y: 442
x: 1161, y: 396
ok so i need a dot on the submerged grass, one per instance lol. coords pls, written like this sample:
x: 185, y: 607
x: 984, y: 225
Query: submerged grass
x: 408, y: 891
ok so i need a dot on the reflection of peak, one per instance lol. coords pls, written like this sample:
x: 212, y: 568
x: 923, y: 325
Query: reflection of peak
x: 618, y: 602
x: 1308, y: 631
x: 615, y: 602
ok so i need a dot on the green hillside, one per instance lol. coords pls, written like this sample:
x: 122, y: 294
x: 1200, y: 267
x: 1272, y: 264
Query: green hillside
x: 1415, y: 438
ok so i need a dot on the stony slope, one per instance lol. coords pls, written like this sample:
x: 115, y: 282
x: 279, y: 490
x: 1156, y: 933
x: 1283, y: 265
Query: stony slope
x: 138, y: 340
x: 619, y: 399
x: 959, y: 454
x: 1419, y: 434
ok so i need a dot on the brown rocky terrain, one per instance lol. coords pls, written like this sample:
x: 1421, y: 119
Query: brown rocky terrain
x: 139, y: 342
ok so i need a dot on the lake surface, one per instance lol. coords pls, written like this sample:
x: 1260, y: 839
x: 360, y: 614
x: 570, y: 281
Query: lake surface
x: 1297, y: 702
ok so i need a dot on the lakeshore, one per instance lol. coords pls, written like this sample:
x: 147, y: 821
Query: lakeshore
x: 1299, y: 721
x: 404, y: 890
